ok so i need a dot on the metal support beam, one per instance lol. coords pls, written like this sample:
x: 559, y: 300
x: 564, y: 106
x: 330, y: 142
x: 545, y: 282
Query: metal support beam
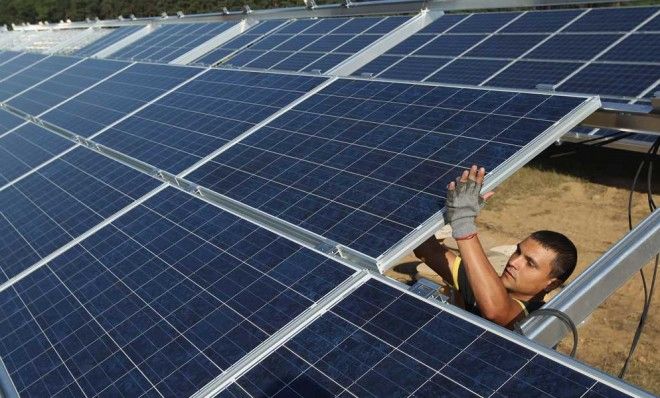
x: 582, y: 296
x: 632, y: 118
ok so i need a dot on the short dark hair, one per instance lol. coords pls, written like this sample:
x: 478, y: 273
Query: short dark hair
x: 566, y: 253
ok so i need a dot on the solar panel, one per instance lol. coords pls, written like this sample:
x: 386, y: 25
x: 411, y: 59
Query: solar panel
x: 25, y: 148
x: 613, y: 79
x: 573, y: 46
x: 111, y: 38
x: 239, y: 42
x: 7, y: 55
x: 638, y: 47
x: 467, y: 71
x: 609, y: 35
x: 8, y: 121
x: 65, y: 85
x: 18, y: 63
x: 203, y: 115
x: 65, y: 198
x: 364, y: 163
x: 380, y: 341
x: 612, y: 19
x: 33, y: 75
x: 117, y: 96
x: 169, y: 42
x: 529, y: 74
x: 315, y: 45
x: 161, y: 302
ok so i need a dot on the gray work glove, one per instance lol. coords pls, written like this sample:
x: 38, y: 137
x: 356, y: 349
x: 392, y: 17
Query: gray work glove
x: 462, y: 206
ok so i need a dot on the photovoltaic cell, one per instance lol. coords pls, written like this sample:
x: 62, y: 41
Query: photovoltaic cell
x: 62, y: 200
x: 573, y: 46
x: 484, y: 23
x: 107, y: 40
x: 65, y: 85
x: 414, y: 68
x: 160, y: 302
x: 613, y: 79
x: 33, y: 75
x: 443, y: 23
x: 203, y: 115
x: 652, y: 26
x: 8, y: 121
x: 114, y: 98
x: 529, y: 74
x: 638, y: 47
x: 467, y: 71
x: 380, y: 341
x: 449, y: 45
x: 378, y: 65
x: 620, y: 19
x: 541, y: 21
x: 7, y: 55
x: 505, y: 46
x: 17, y: 63
x: 364, y: 163
x: 169, y: 42
x: 27, y: 147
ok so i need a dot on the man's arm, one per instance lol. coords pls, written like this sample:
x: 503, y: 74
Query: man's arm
x: 463, y: 205
x: 437, y: 257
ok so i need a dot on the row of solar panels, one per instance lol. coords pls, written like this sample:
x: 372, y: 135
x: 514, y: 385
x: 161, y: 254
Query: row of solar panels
x: 108, y: 295
x: 578, y: 51
x: 119, y: 285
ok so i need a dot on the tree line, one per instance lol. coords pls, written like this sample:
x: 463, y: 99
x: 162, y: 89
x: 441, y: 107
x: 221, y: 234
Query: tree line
x: 33, y: 11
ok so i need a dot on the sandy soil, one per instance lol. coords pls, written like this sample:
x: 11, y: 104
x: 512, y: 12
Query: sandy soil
x: 583, y: 195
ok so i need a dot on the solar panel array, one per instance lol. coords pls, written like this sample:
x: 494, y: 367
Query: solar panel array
x: 582, y: 51
x: 118, y: 281
x: 111, y: 38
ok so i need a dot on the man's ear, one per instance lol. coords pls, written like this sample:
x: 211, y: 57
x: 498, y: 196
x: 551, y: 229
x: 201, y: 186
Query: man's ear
x: 552, y: 285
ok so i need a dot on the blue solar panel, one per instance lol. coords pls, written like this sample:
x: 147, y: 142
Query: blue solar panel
x: 414, y: 68
x: 378, y: 65
x: 62, y: 200
x: 409, y: 45
x: 8, y: 121
x: 16, y: 64
x: 529, y: 74
x: 33, y: 75
x: 467, y: 71
x: 637, y: 47
x: 203, y: 115
x: 484, y: 23
x: 114, y: 98
x: 364, y: 163
x: 65, y: 85
x: 541, y: 21
x: 171, y: 41
x: 505, y: 46
x: 651, y: 26
x: 7, y: 55
x: 27, y: 147
x: 160, y: 302
x: 573, y: 46
x: 238, y: 42
x: 611, y: 19
x: 107, y: 40
x: 443, y: 23
x: 381, y: 342
x: 613, y: 79
x: 449, y: 45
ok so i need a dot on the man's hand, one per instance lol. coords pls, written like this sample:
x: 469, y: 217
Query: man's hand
x: 464, y: 202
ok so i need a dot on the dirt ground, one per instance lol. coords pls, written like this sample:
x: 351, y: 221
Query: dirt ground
x: 583, y: 193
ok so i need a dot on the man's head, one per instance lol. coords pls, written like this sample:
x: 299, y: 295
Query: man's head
x: 542, y: 262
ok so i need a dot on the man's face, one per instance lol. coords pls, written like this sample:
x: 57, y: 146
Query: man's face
x: 528, y: 270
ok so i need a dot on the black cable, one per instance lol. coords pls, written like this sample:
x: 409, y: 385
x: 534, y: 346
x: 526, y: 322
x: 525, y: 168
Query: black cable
x: 648, y: 293
x: 559, y: 315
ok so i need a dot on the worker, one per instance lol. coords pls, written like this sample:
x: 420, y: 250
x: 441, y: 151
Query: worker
x: 542, y: 261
